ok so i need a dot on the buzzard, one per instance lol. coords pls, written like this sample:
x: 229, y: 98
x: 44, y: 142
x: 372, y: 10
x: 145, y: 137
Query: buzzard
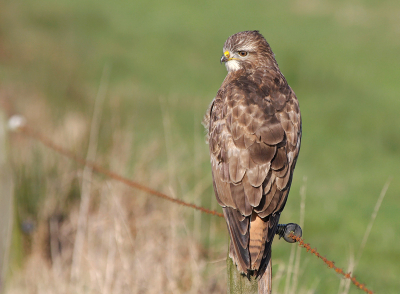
x: 254, y: 132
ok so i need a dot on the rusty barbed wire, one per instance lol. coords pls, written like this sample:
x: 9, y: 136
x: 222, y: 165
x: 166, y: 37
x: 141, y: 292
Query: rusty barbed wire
x: 330, y: 263
x: 67, y: 153
x: 97, y: 168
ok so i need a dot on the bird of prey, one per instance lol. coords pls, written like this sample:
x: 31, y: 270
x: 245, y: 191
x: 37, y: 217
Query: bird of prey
x: 254, y: 132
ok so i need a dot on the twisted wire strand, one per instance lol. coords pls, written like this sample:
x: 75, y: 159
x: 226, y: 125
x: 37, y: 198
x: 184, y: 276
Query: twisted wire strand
x: 67, y: 153
x: 330, y: 263
x: 97, y: 168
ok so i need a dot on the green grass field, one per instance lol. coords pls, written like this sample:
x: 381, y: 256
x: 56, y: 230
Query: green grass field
x: 340, y: 57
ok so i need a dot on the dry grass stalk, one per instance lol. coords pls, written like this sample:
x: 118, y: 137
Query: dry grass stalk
x: 301, y: 223
x: 372, y: 220
x: 344, y: 287
x: 87, y: 174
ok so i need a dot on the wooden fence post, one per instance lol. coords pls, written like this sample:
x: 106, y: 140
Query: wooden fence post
x: 6, y: 201
x: 238, y: 283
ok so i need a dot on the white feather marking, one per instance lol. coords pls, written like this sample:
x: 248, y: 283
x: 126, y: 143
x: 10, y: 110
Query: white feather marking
x: 232, y: 65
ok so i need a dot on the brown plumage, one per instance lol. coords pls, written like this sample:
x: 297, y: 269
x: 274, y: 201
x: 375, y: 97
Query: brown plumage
x: 254, y: 132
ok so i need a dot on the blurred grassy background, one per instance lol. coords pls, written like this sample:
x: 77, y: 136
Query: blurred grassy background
x: 340, y: 57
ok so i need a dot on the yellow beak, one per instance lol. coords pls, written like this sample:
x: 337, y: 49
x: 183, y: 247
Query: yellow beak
x: 225, y: 57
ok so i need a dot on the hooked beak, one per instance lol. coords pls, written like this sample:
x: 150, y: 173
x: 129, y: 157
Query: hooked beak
x: 225, y: 57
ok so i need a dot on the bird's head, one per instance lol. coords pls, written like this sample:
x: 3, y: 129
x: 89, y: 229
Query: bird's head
x: 246, y: 50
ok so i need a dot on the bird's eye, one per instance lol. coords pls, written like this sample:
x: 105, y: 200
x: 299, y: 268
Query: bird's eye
x: 242, y: 53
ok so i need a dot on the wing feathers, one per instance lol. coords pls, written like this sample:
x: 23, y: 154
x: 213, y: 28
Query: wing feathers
x: 222, y: 189
x: 280, y: 159
x: 236, y: 169
x: 238, y: 195
x: 249, y: 139
x: 239, y: 241
x: 271, y: 131
x: 257, y: 174
x: 282, y: 183
x: 262, y: 153
x: 253, y: 194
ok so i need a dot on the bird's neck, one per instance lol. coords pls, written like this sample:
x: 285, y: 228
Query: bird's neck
x: 234, y: 75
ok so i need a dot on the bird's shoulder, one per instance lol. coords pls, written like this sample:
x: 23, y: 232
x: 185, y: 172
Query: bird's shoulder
x: 261, y: 95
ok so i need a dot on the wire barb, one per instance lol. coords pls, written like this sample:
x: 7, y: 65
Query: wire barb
x: 330, y: 263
